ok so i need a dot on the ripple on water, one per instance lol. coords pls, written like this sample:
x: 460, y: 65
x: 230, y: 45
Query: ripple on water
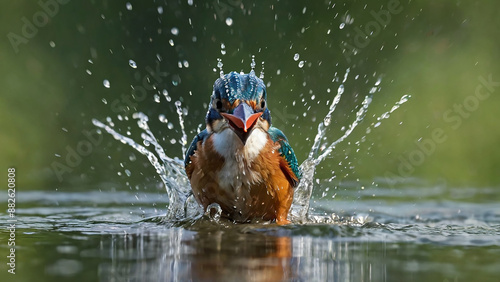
x: 428, y: 221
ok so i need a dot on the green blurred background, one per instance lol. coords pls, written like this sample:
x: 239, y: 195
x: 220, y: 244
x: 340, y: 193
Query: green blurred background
x: 52, y: 78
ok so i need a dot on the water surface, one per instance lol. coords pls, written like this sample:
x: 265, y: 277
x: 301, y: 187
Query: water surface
x: 383, y: 235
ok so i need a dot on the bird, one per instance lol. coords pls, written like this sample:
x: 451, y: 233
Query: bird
x: 240, y: 161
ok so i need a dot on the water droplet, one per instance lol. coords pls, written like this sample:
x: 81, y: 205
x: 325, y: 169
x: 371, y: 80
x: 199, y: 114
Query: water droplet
x: 127, y: 172
x: 296, y: 57
x: 301, y: 64
x: 104, y: 101
x: 157, y: 98
x: 186, y: 64
x: 261, y: 75
x: 171, y: 42
x: 174, y: 31
x: 220, y: 65
x: 165, y: 93
x: 173, y: 141
x: 229, y: 21
x: 223, y: 49
x: 252, y: 64
x: 190, y: 2
x: 132, y: 64
x: 162, y: 118
x: 106, y: 83
x: 52, y: 44
x: 342, y: 25
x: 132, y: 157
x: 404, y: 99
x: 340, y: 90
x: 176, y: 80
x: 346, y: 74
x: 327, y: 120
x: 160, y: 10
x: 170, y: 125
x: 88, y: 72
x: 129, y: 6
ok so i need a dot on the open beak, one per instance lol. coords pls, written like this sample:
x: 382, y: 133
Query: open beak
x: 242, y: 120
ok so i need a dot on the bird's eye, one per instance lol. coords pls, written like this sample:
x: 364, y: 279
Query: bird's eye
x: 218, y: 104
x: 263, y: 104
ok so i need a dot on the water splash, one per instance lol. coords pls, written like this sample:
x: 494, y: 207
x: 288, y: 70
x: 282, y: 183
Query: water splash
x: 183, y: 140
x: 213, y: 212
x: 387, y: 114
x: 170, y: 170
x: 302, y: 196
x: 183, y: 206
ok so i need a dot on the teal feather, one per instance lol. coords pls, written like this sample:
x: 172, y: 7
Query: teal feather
x: 285, y: 150
x: 199, y: 137
x: 242, y: 86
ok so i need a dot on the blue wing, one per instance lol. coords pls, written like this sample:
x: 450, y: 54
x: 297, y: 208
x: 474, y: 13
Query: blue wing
x: 285, y: 150
x: 200, y: 137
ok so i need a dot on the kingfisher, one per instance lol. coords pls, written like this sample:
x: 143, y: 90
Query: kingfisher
x: 240, y: 161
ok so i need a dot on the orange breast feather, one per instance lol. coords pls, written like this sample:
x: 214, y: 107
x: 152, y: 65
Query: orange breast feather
x: 268, y: 197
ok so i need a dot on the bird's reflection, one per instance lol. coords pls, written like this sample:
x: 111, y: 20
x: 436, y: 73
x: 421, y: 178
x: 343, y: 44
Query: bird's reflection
x: 245, y: 256
x: 221, y: 254
x: 238, y: 252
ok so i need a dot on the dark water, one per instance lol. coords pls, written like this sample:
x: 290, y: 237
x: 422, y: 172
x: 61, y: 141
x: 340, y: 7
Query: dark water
x: 406, y: 235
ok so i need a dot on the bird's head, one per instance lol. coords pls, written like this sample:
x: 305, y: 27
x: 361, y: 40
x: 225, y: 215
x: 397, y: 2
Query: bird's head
x: 238, y: 102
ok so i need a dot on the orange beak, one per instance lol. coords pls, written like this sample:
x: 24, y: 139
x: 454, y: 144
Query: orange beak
x: 242, y: 120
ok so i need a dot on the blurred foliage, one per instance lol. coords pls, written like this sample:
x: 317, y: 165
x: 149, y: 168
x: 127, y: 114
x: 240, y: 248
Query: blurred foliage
x: 434, y: 51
